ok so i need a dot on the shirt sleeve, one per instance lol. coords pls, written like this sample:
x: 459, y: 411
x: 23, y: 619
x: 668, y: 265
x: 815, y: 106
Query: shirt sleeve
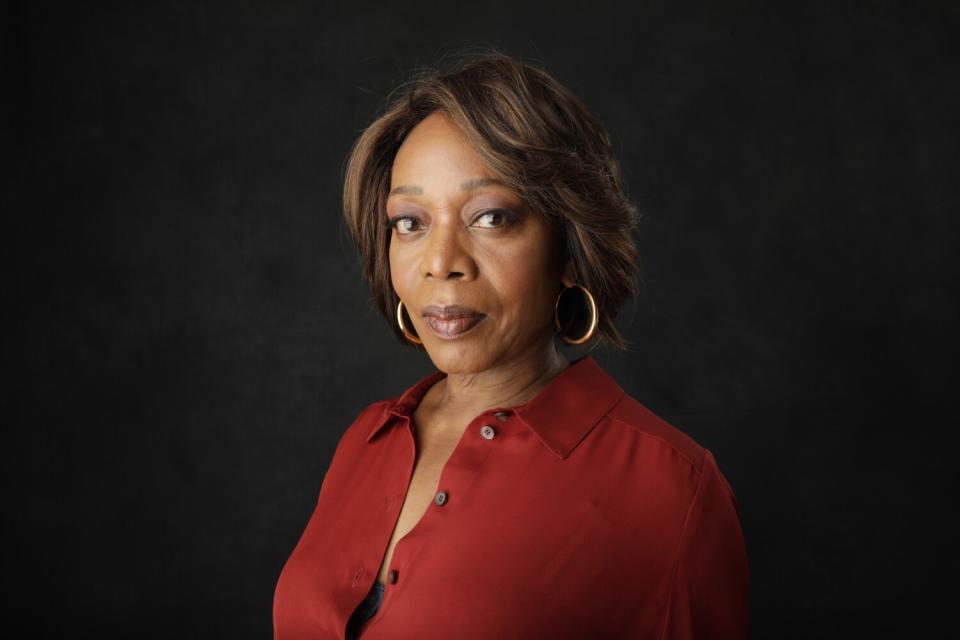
x: 709, y: 595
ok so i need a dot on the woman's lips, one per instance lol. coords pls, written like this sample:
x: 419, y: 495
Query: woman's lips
x: 453, y: 327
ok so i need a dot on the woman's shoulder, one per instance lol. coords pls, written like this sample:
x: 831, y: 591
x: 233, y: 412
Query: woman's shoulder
x: 669, y: 452
x: 363, y: 424
x: 370, y: 416
x: 656, y: 431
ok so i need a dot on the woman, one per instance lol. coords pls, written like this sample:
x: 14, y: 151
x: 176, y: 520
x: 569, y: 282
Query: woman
x: 511, y: 493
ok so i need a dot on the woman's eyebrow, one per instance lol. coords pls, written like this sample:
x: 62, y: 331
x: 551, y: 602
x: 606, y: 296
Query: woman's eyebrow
x: 476, y: 183
x: 473, y: 183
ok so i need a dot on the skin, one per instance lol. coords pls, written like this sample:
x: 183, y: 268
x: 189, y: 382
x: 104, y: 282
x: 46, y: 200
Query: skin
x: 450, y: 254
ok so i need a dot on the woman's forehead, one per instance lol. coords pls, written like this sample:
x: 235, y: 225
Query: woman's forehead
x: 437, y: 162
x: 437, y: 146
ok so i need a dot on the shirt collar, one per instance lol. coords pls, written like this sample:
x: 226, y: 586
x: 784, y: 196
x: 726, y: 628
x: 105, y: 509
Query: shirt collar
x: 561, y: 414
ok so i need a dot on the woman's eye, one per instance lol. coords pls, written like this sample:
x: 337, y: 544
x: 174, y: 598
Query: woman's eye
x: 403, y: 224
x: 493, y: 216
x: 489, y: 219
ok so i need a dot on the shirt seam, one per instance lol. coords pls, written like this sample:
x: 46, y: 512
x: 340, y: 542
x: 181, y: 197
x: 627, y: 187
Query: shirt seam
x: 675, y: 448
x: 676, y: 560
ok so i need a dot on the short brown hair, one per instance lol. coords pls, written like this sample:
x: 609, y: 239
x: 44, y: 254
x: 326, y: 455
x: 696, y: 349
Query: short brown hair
x: 539, y: 139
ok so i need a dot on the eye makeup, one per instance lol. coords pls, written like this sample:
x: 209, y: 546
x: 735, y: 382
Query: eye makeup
x: 508, y: 218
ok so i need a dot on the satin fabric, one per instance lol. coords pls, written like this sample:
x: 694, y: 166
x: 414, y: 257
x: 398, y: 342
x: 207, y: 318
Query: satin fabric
x: 578, y: 514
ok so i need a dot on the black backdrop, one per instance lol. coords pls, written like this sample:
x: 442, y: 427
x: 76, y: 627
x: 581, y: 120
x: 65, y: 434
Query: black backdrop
x: 188, y: 334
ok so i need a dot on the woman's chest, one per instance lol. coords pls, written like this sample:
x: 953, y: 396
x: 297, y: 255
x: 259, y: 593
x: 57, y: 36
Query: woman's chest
x: 511, y: 542
x: 432, y: 455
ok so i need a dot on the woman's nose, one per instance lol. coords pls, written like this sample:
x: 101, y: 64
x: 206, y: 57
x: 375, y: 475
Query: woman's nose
x: 446, y: 251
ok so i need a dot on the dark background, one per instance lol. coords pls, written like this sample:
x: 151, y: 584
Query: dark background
x: 188, y: 333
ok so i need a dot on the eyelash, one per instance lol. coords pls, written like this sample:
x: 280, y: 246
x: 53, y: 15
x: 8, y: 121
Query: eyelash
x: 509, y: 219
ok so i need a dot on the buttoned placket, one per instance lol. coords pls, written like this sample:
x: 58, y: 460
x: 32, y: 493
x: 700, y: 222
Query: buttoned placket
x: 456, y: 477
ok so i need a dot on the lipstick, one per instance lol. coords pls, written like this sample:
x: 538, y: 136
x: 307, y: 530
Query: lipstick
x: 451, y: 321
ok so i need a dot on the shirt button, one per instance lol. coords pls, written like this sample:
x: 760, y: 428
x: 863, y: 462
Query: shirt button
x: 441, y: 498
x: 392, y: 577
x: 501, y: 415
x: 487, y: 432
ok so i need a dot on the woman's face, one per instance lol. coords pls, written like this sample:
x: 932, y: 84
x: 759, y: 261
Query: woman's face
x: 460, y: 238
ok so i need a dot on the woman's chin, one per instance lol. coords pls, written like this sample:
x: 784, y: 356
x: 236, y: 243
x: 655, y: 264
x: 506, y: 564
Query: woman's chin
x: 461, y: 356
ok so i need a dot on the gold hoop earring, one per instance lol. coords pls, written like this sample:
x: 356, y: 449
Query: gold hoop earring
x: 594, y: 316
x: 406, y: 334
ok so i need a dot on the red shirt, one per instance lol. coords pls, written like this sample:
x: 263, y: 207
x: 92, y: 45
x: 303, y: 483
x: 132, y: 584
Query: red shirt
x: 578, y: 514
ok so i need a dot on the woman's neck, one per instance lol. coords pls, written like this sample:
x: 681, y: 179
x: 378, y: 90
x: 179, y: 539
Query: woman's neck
x: 508, y: 384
